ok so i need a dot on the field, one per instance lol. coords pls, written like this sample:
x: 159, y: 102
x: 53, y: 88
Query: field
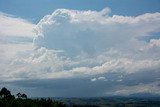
x: 112, y: 102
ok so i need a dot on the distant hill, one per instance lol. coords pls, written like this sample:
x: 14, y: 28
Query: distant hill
x: 116, y: 101
x: 144, y: 95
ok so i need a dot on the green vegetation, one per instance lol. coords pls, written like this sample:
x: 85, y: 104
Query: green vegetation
x: 21, y: 100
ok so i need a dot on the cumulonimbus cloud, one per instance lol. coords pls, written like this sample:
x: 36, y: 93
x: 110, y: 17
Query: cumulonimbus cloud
x: 76, y: 42
x: 91, y: 32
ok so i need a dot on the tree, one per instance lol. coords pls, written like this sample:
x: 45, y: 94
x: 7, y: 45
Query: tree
x: 18, y: 95
x: 24, y: 96
x: 21, y: 96
x: 5, y: 93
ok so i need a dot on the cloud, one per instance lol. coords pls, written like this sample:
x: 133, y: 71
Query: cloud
x: 152, y: 88
x: 73, y: 45
x: 84, y: 87
x: 16, y: 34
x: 93, y: 79
x: 90, y: 32
x: 101, y: 78
x: 13, y: 26
x: 84, y: 43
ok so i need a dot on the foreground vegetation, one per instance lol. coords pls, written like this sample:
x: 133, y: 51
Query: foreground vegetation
x: 21, y: 100
x: 30, y: 103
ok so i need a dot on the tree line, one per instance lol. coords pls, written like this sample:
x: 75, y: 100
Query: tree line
x: 21, y: 100
x: 6, y: 94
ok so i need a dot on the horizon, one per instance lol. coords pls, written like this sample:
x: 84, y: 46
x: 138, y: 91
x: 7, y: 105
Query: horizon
x: 83, y: 48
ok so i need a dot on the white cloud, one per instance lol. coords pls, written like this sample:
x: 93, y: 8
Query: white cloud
x: 93, y: 79
x: 90, y: 32
x: 12, y: 26
x: 86, y: 43
x: 101, y: 78
x: 9, y: 51
x: 16, y: 35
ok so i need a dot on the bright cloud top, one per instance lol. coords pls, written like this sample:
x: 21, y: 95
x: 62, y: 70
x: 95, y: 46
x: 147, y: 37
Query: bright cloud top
x: 92, y: 32
x: 90, y: 44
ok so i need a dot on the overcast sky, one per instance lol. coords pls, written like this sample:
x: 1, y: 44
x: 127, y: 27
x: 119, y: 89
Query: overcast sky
x: 80, y: 48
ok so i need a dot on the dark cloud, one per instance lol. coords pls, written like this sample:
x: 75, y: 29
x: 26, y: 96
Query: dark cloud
x: 83, y: 87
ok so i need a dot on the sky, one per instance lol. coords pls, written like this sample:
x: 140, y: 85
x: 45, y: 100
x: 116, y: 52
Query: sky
x: 80, y: 48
